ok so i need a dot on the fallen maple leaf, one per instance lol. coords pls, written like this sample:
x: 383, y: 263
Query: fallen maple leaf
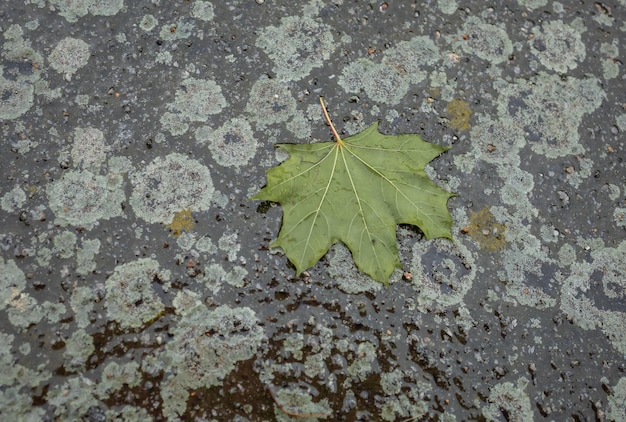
x: 356, y: 190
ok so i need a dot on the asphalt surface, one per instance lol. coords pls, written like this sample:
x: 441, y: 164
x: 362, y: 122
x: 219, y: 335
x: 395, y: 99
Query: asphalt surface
x: 136, y: 277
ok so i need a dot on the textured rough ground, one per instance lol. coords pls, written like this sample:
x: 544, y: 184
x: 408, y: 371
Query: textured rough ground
x: 135, y: 279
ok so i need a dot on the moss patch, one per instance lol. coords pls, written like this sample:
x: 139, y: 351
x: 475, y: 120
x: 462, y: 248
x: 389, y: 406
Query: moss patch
x: 459, y: 112
x: 183, y: 221
x: 486, y: 231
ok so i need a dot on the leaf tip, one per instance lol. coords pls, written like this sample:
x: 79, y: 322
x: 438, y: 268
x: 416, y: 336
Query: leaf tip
x: 259, y: 196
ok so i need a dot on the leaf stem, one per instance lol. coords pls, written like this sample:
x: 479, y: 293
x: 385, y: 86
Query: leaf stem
x: 330, y: 123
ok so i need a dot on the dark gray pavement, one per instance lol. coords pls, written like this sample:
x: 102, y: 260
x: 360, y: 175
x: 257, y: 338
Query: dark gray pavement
x: 136, y: 279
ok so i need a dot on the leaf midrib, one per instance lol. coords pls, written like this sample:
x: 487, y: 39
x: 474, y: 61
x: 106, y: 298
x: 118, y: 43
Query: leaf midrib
x: 358, y: 199
x: 397, y: 189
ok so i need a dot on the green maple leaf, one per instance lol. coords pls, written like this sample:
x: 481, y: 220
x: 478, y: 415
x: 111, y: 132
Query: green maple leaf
x: 356, y: 190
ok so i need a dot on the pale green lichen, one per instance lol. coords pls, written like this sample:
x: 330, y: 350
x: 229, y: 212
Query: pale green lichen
x: 75, y: 9
x: 131, y: 299
x: 363, y: 365
x: 215, y: 276
x: 389, y: 81
x: 12, y: 372
x: 16, y: 98
x: 73, y: 399
x: 181, y: 29
x: 198, y: 99
x: 343, y: 271
x: 315, y: 367
x: 585, y: 168
x: 168, y: 185
x: 65, y: 244
x: 229, y: 243
x: 205, y: 244
x: 82, y: 303
x: 69, y: 55
x: 16, y: 385
x: 313, y: 7
x: 619, y: 216
x: 32, y: 25
x: 185, y: 301
x: 203, y: 134
x: 148, y: 22
x: 18, y: 405
x: 522, y: 262
x: 205, y: 347
x: 558, y: 46
x: 293, y: 345
x: 165, y: 57
x: 380, y: 83
x: 446, y: 282
x: 620, y: 121
x: 299, y: 125
x: 203, y: 10
x: 194, y: 102
x: 404, y: 407
x: 81, y: 198
x: 12, y: 282
x: 385, y: 85
x: 616, y: 399
x: 270, y: 102
x: 352, y: 76
x: 509, y: 401
x: 604, y: 19
x: 613, y: 191
x: 24, y: 311
x: 567, y: 254
x: 17, y: 52
x: 17, y: 82
x: 518, y: 184
x: 299, y: 403
x: 297, y: 46
x: 53, y: 312
x: 119, y: 165
x: 13, y: 200
x: 533, y: 4
x: 488, y: 42
x: 89, y: 149
x: 236, y: 277
x: 409, y: 58
x: 232, y: 144
x: 129, y: 413
x: 24, y: 145
x: 550, y: 109
x: 548, y: 233
x: 447, y: 7
x: 610, y: 67
x: 497, y: 141
x: 44, y: 255
x: 116, y: 376
x: 528, y: 116
x: 85, y: 256
x: 174, y: 397
x: 392, y: 382
x: 105, y: 7
x: 580, y: 301
x: 174, y: 123
x: 78, y: 348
